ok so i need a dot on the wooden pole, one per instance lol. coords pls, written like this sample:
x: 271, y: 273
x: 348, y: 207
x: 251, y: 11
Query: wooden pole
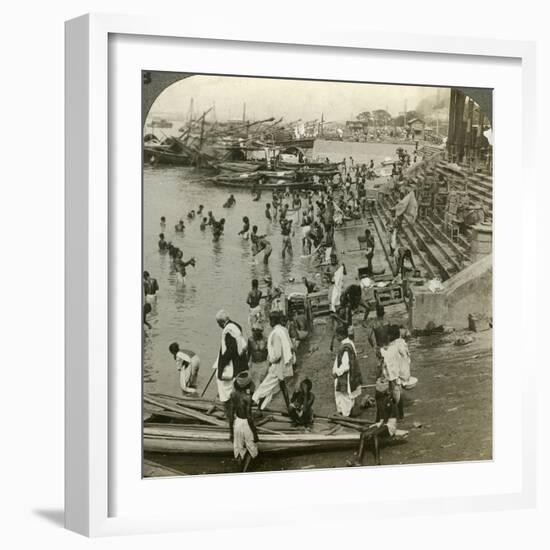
x: 208, y: 383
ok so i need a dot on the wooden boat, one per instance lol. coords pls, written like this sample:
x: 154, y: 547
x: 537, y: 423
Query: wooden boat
x: 304, y: 143
x: 309, y: 165
x: 279, y: 174
x: 248, y: 181
x: 191, y: 425
x: 162, y: 123
x: 239, y: 167
x: 178, y: 438
x: 156, y: 155
x: 317, y: 172
x: 239, y: 180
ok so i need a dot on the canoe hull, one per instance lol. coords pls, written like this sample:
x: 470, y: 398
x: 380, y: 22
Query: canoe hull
x: 156, y: 156
x: 217, y: 442
x: 248, y: 183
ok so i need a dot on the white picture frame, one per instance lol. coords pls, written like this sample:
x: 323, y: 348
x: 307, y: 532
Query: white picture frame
x: 91, y: 399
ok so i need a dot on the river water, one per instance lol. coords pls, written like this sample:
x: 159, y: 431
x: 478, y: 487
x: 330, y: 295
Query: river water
x: 221, y: 278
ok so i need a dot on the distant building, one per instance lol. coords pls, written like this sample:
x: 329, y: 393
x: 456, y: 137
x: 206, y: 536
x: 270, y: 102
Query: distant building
x: 418, y: 127
x: 357, y: 126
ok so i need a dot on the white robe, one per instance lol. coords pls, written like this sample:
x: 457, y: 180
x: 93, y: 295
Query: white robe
x: 225, y: 386
x: 397, y: 361
x: 337, y: 288
x: 281, y: 357
x: 344, y: 400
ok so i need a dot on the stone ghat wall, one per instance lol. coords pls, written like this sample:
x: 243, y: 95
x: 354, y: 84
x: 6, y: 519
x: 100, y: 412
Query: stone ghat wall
x: 469, y: 292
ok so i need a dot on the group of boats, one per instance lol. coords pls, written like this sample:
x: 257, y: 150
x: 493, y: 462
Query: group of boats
x: 242, y: 155
x: 258, y: 175
x: 193, y: 425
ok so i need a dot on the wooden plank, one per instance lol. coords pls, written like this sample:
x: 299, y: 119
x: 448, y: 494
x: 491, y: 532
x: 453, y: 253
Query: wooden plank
x: 186, y: 411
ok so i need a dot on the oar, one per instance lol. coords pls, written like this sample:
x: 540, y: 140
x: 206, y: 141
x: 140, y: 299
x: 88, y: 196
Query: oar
x: 208, y: 383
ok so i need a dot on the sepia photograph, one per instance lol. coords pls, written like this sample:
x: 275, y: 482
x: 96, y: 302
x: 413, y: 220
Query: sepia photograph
x: 317, y: 274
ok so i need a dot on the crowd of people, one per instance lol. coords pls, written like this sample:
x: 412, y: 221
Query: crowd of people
x: 250, y: 372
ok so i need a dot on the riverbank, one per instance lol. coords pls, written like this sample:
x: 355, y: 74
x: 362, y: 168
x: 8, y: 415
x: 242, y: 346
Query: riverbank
x: 449, y: 412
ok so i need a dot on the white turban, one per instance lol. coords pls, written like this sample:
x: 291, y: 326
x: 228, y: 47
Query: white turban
x: 222, y: 315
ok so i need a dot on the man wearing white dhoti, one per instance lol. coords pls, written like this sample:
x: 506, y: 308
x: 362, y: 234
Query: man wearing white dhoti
x: 338, y: 285
x: 232, y: 357
x: 242, y: 430
x: 397, y: 366
x: 347, y: 375
x: 281, y: 357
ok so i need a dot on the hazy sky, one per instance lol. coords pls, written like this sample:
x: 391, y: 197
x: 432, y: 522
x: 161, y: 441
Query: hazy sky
x: 291, y: 99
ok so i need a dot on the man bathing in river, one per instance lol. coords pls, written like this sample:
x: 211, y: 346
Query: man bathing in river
x: 242, y: 430
x: 163, y: 245
x: 180, y: 265
x: 150, y: 288
x: 286, y: 228
x: 231, y: 201
x: 259, y: 244
x: 217, y: 229
x: 245, y: 231
x: 187, y: 364
x: 232, y: 357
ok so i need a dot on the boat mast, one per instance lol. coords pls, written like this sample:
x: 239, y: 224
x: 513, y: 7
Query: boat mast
x: 190, y: 113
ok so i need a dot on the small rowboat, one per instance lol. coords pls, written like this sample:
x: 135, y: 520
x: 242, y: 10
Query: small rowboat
x: 196, y: 439
x: 159, y: 155
x: 190, y: 425
x: 279, y: 175
x: 239, y: 167
x: 310, y: 165
x: 316, y: 172
x: 248, y: 181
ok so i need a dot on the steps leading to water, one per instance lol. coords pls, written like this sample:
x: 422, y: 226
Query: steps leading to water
x: 479, y: 185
